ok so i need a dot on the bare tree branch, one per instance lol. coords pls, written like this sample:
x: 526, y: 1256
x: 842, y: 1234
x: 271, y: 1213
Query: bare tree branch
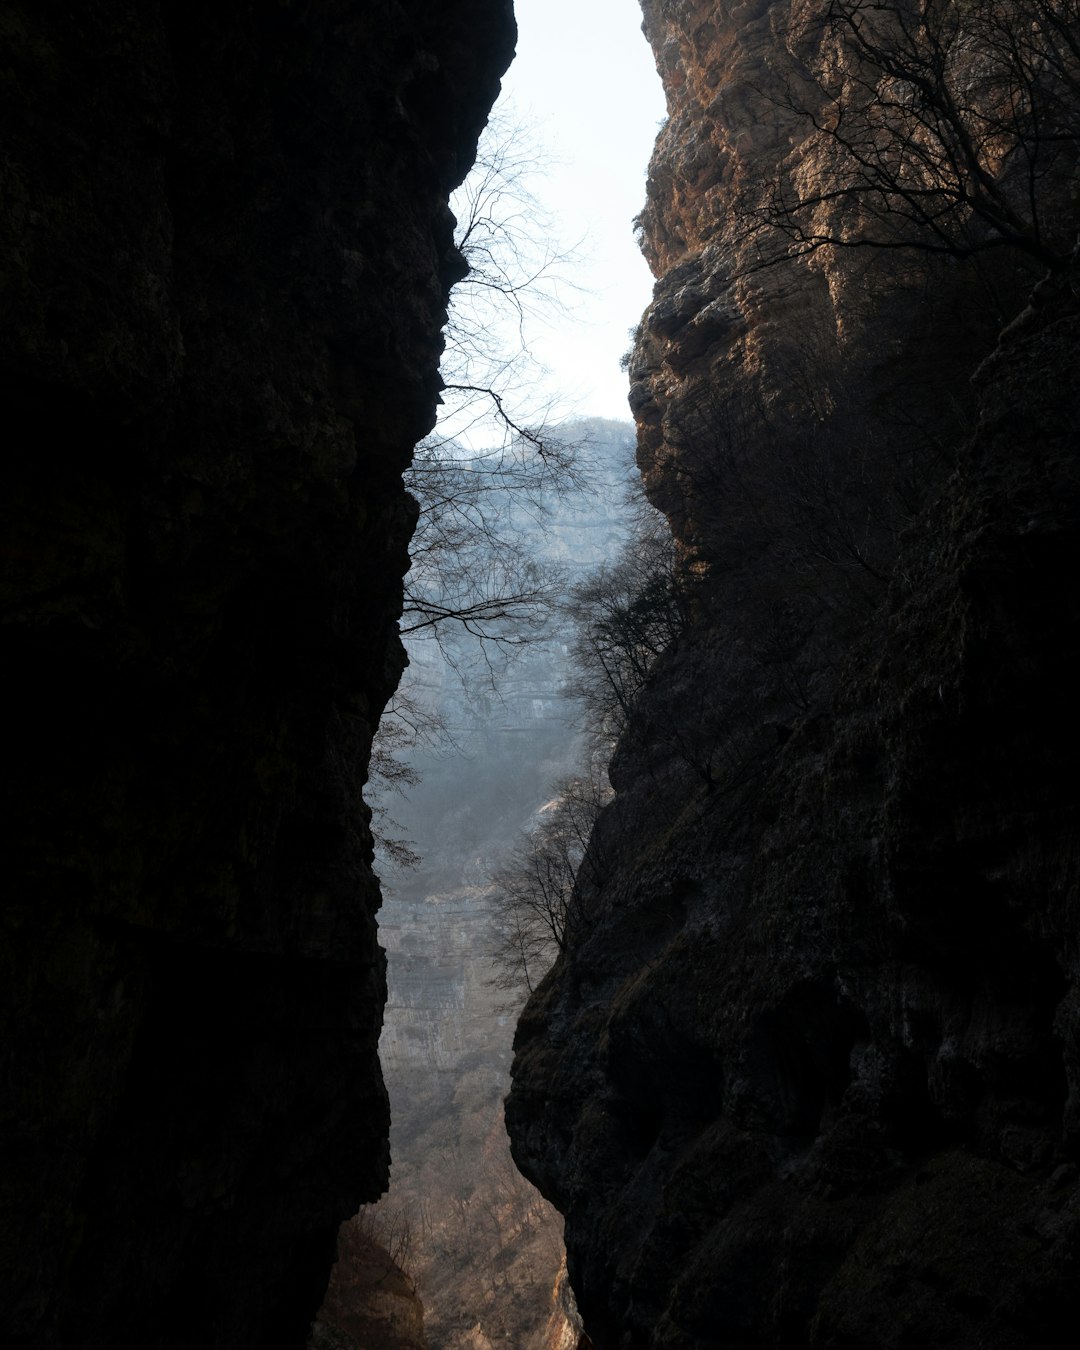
x: 541, y: 893
x: 943, y: 127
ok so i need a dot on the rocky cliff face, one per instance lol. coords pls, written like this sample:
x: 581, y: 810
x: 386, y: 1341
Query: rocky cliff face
x: 226, y: 255
x: 811, y: 1076
x: 370, y: 1303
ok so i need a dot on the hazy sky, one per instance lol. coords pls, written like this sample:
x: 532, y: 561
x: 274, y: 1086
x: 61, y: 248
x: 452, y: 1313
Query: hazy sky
x: 585, y: 82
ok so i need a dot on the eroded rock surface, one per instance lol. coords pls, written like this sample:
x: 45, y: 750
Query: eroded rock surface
x: 810, y: 1079
x: 226, y: 254
x: 370, y: 1303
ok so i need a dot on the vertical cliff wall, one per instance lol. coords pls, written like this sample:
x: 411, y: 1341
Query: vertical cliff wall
x: 226, y: 251
x: 808, y: 1076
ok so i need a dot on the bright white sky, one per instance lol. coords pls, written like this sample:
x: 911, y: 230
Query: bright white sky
x: 585, y: 83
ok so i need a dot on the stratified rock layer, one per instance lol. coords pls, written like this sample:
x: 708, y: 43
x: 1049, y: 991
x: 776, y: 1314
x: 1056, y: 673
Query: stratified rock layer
x: 812, y: 1076
x: 226, y: 250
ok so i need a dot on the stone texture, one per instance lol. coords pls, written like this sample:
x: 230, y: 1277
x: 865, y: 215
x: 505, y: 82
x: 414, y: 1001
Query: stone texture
x: 810, y: 1080
x: 226, y: 250
x: 370, y: 1303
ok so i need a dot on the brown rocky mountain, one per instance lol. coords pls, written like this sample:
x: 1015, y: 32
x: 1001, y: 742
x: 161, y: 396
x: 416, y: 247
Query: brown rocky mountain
x: 810, y: 1076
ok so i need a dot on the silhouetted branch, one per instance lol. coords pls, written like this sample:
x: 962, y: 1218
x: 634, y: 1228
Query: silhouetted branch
x: 943, y: 127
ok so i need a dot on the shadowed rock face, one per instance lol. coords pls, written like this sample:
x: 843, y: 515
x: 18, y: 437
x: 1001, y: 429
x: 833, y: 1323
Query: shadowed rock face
x: 811, y: 1077
x: 226, y: 253
x: 370, y: 1303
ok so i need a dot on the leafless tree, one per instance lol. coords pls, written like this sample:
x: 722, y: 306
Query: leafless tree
x: 517, y: 274
x: 540, y: 893
x: 624, y: 615
x: 390, y: 1228
x: 475, y: 568
x: 406, y: 725
x: 941, y: 126
x: 476, y: 576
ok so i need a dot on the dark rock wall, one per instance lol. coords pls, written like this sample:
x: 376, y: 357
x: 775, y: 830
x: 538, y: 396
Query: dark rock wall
x: 811, y: 1077
x: 225, y: 255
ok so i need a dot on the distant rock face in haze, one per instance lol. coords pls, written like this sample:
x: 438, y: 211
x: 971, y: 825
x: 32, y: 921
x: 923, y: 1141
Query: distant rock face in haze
x: 486, y: 1249
x: 512, y: 734
x: 226, y: 253
x: 812, y: 1077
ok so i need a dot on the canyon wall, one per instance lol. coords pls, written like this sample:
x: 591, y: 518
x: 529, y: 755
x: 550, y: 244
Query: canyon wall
x: 226, y: 254
x: 808, y: 1075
